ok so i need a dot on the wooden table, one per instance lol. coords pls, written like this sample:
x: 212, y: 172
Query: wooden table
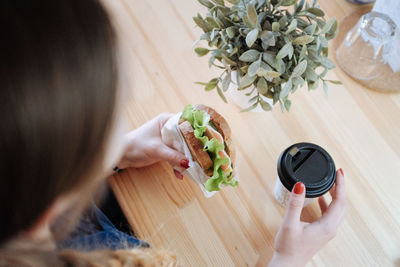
x: 360, y: 129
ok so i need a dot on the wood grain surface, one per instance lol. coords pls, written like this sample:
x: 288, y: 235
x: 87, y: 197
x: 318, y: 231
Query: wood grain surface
x: 360, y: 128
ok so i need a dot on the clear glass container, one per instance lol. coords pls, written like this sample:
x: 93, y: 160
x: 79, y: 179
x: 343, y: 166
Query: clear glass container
x: 360, y: 53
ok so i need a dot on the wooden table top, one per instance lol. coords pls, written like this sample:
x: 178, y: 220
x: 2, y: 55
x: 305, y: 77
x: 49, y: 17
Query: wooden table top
x: 360, y: 128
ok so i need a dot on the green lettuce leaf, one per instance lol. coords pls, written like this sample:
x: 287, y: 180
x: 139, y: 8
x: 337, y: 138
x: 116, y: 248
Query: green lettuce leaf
x: 199, y: 119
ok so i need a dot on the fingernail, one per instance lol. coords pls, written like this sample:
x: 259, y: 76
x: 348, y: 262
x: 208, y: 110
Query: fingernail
x: 341, y: 171
x: 298, y: 188
x: 185, y: 163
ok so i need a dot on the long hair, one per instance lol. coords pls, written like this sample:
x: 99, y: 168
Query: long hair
x: 58, y: 95
x: 58, y: 91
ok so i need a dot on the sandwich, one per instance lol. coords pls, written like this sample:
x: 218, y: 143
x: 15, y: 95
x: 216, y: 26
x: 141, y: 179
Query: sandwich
x: 208, y: 137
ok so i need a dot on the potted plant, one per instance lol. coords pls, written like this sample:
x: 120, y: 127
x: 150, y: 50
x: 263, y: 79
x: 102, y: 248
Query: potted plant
x: 266, y: 48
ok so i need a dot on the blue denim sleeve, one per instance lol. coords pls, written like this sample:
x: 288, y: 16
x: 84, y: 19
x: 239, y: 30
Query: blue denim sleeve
x: 99, y: 233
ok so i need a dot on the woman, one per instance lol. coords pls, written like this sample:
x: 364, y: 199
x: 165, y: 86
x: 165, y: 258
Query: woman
x: 62, y: 132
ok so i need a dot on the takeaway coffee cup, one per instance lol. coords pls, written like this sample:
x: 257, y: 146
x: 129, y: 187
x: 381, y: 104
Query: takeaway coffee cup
x: 307, y: 163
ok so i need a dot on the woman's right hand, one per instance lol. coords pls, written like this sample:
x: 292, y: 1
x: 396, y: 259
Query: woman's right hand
x: 297, y: 241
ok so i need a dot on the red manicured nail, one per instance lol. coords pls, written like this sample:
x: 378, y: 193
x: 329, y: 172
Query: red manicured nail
x: 341, y: 171
x: 298, y: 188
x: 185, y: 163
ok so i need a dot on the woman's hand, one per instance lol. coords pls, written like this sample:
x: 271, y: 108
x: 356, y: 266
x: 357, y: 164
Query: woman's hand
x: 297, y: 241
x: 145, y: 147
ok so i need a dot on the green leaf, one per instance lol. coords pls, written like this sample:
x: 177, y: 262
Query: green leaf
x: 275, y: 26
x: 251, y: 91
x: 253, y: 68
x: 299, y: 6
x: 282, y: 106
x: 219, y: 2
x: 231, y: 31
x: 247, y: 22
x: 327, y: 26
x: 288, y: 2
x: 268, y: 38
x: 303, y: 52
x: 201, y: 83
x: 312, y: 85
x: 314, y: 3
x: 211, y: 23
x: 321, y: 23
x: 286, y: 89
x: 280, y: 66
x: 325, y: 87
x: 299, y: 69
x: 246, y: 81
x: 206, y: 3
x: 200, y: 51
x: 270, y: 59
x: 327, y: 63
x: 332, y: 33
x: 265, y: 105
x: 272, y: 74
x: 251, y: 37
x: 226, y: 82
x: 250, y: 56
x: 302, y: 40
x: 221, y: 94
x: 250, y: 108
x: 234, y: 2
x: 311, y: 75
x: 298, y: 81
x: 201, y: 23
x: 228, y: 60
x: 286, y: 50
x: 253, y: 99
x: 244, y: 68
x: 316, y: 11
x: 334, y: 82
x: 288, y: 104
x: 282, y: 21
x: 252, y: 14
x: 292, y: 26
x: 262, y: 86
x: 210, y: 86
x: 310, y: 29
x: 324, y: 42
x: 264, y: 68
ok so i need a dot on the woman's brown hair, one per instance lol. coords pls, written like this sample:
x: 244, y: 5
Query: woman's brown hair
x: 57, y: 99
x: 58, y: 95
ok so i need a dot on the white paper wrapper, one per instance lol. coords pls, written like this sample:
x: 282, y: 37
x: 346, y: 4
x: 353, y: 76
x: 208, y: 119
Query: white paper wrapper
x: 173, y: 138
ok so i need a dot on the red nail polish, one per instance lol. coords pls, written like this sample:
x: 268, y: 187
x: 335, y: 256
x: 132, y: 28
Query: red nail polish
x: 298, y: 188
x: 185, y: 163
x: 341, y: 171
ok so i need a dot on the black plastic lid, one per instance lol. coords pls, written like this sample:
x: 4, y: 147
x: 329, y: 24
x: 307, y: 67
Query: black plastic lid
x: 309, y: 164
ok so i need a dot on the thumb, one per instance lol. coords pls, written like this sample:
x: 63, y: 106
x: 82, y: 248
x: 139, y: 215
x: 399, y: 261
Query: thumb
x: 295, y: 204
x: 174, y: 157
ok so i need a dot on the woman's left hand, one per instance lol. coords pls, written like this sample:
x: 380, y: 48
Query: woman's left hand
x: 144, y: 147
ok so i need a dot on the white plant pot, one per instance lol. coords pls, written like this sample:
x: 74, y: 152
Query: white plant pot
x: 239, y: 98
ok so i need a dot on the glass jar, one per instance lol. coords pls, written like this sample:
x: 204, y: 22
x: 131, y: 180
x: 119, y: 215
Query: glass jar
x: 360, y: 53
